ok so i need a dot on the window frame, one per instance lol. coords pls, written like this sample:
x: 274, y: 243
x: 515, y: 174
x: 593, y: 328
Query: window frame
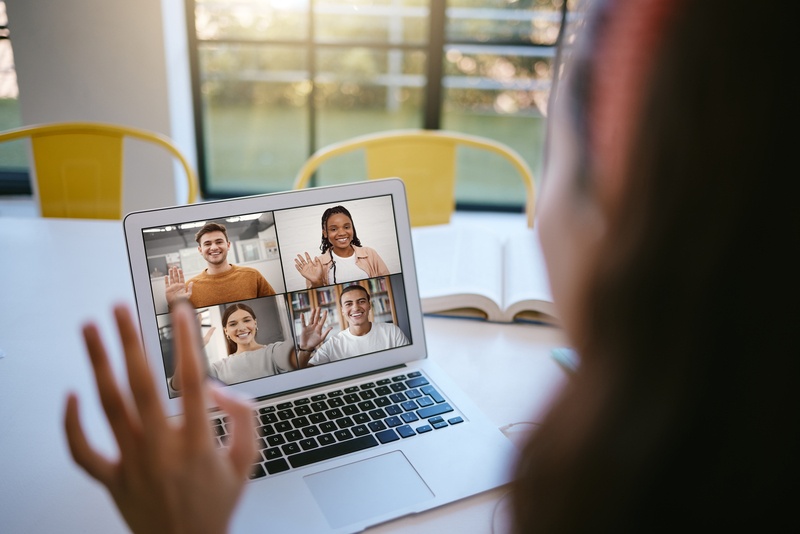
x: 435, y: 49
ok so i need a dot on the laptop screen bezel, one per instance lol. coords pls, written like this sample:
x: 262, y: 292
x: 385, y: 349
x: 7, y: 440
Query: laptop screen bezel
x: 136, y: 222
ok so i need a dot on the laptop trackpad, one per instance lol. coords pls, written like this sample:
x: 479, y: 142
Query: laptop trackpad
x: 369, y: 488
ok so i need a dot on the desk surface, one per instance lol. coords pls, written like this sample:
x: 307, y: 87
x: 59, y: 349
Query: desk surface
x: 64, y: 272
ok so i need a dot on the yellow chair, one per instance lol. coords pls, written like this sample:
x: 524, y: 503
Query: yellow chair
x: 79, y: 166
x: 426, y: 162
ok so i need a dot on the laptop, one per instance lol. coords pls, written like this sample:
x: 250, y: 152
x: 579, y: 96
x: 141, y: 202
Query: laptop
x: 350, y: 435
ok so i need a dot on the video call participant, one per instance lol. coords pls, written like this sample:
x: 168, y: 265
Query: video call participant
x: 361, y: 336
x: 221, y: 281
x: 248, y: 359
x: 346, y: 260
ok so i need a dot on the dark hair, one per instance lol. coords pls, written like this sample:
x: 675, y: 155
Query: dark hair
x: 231, y: 345
x: 683, y: 410
x: 326, y: 246
x: 353, y: 287
x: 211, y: 227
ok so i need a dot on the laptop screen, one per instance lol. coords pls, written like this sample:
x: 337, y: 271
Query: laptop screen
x: 283, y: 290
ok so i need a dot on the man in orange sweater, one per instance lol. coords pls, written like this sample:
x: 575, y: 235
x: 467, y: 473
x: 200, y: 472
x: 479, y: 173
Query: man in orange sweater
x: 221, y: 281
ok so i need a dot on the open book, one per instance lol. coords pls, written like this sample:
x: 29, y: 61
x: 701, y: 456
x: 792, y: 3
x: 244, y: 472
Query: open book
x: 473, y: 271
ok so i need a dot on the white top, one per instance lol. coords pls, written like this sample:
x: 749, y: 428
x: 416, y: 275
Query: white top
x: 346, y: 269
x: 345, y: 345
x: 268, y: 360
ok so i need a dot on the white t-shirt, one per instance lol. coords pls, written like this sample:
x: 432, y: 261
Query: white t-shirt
x: 268, y: 360
x: 345, y: 345
x: 346, y: 269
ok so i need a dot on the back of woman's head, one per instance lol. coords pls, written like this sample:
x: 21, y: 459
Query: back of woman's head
x: 683, y: 408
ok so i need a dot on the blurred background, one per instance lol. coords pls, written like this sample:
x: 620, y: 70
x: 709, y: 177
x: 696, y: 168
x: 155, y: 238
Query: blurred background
x: 271, y: 81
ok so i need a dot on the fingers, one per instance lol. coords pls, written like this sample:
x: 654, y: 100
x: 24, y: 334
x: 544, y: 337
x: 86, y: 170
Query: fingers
x: 176, y: 275
x: 187, y: 354
x: 322, y: 323
x: 117, y: 413
x: 319, y: 318
x: 141, y: 381
x: 313, y: 318
x: 84, y: 455
x: 302, y: 262
x: 242, y: 446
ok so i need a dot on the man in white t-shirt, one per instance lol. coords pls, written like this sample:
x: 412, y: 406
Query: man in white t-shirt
x: 361, y: 336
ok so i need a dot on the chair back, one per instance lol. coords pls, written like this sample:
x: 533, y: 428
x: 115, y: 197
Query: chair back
x: 426, y: 162
x: 79, y: 166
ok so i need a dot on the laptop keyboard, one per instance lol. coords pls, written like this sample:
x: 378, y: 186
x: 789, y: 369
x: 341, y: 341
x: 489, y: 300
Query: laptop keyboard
x: 338, y: 422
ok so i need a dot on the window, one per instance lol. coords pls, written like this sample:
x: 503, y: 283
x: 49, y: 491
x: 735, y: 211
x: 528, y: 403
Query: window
x: 274, y: 80
x: 14, y: 178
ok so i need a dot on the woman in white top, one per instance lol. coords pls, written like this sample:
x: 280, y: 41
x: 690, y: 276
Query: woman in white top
x: 248, y: 359
x: 343, y: 259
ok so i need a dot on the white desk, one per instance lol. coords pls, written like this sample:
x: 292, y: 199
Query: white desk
x: 59, y: 273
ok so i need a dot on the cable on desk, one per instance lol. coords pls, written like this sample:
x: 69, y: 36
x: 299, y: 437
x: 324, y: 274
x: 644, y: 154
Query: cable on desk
x: 500, y: 501
x: 511, y: 425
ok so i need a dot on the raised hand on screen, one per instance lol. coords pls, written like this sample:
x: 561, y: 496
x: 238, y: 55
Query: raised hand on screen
x: 176, y: 288
x: 314, y: 331
x: 311, y: 269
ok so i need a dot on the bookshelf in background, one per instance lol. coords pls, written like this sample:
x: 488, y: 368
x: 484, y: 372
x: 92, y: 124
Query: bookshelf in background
x: 380, y: 289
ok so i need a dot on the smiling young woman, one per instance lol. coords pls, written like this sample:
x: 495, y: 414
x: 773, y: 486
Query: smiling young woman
x: 342, y: 258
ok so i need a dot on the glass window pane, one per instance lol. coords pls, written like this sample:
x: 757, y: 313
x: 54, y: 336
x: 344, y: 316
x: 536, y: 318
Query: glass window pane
x: 500, y: 93
x: 382, y: 21
x: 252, y: 19
x: 255, y: 116
x: 362, y: 91
x: 13, y: 154
x: 265, y: 107
x: 533, y: 21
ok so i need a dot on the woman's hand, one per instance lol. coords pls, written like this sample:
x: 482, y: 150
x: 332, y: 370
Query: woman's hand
x: 207, y: 336
x: 311, y: 270
x: 170, y: 475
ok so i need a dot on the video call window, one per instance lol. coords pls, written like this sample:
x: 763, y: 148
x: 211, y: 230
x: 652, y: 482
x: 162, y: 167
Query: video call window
x: 251, y: 277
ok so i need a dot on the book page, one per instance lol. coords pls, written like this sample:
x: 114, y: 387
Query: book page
x: 458, y: 267
x: 526, y: 286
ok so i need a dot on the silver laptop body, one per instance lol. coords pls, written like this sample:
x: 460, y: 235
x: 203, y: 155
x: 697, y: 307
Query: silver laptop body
x: 432, y: 460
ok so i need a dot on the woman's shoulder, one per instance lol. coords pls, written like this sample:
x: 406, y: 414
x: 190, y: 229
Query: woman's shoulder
x: 363, y: 251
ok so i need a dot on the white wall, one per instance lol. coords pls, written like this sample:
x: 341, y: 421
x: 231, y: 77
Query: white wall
x: 115, y: 61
